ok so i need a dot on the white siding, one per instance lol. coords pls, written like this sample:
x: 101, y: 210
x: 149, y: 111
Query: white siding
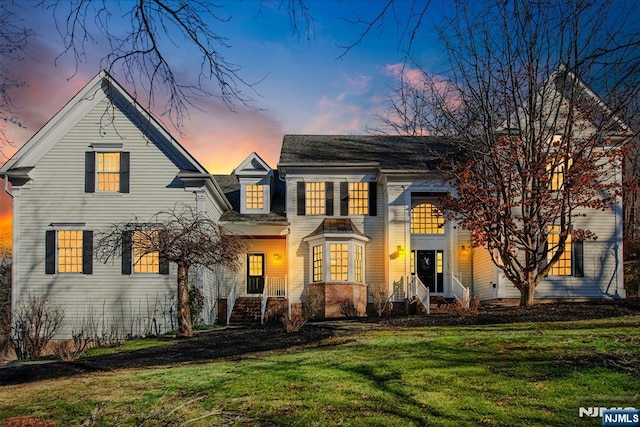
x: 135, y: 304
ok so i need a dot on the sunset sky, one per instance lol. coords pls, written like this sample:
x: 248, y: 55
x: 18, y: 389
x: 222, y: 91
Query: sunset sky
x: 302, y: 86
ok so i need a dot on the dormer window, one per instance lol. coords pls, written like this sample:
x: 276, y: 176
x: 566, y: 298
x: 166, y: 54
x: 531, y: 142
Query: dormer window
x: 254, y: 194
x: 257, y: 185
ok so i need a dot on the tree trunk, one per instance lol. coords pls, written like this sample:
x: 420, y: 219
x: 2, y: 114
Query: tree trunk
x: 527, y: 295
x: 184, y: 309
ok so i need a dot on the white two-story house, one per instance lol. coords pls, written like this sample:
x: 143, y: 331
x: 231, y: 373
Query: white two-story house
x: 339, y: 217
x: 101, y: 160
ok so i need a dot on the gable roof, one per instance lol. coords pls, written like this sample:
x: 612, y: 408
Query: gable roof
x: 253, y: 166
x: 388, y: 153
x: 101, y: 87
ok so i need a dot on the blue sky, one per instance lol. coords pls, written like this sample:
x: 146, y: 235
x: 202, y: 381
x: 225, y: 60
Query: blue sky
x: 302, y: 85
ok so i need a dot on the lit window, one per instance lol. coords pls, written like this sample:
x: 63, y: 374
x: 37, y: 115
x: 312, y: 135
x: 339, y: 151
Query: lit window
x: 412, y: 261
x: 315, y: 198
x: 256, y: 265
x: 358, y: 198
x: 69, y: 249
x: 426, y: 219
x: 339, y: 258
x: 563, y: 266
x: 439, y: 262
x: 145, y: 260
x: 254, y: 196
x: 358, y: 263
x: 558, y: 172
x: 108, y: 171
x: 317, y: 263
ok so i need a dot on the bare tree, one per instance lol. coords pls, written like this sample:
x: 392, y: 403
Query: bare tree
x: 13, y: 43
x: 540, y: 148
x: 144, y: 36
x: 180, y: 236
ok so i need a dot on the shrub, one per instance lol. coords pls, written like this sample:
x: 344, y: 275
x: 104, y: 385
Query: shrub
x: 464, y: 307
x: 348, y: 309
x: 35, y: 323
x: 381, y: 302
x: 73, y: 349
x: 293, y: 322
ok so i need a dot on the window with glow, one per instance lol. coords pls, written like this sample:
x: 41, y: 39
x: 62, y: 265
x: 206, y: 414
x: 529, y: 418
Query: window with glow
x: 256, y: 266
x: 315, y: 198
x: 317, y: 263
x: 358, y: 198
x: 145, y: 260
x: 108, y: 171
x: 563, y: 266
x: 439, y: 263
x: 69, y: 249
x: 558, y: 172
x: 254, y: 196
x: 339, y: 258
x: 358, y: 263
x: 426, y: 219
x: 412, y: 261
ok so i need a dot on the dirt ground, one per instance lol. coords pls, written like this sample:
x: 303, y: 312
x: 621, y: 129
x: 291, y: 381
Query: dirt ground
x: 238, y: 342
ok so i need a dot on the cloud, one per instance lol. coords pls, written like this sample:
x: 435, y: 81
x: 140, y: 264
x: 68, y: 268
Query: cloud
x: 334, y: 116
x: 221, y: 139
x: 358, y: 84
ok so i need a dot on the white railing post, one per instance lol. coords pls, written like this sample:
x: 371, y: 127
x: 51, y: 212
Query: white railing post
x: 231, y: 299
x: 464, y: 291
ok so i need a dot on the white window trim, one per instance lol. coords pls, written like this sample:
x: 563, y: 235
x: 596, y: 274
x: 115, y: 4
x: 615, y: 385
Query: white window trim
x: 325, y: 241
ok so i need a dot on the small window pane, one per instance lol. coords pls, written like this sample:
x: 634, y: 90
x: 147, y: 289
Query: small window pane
x: 145, y: 260
x: 317, y: 263
x: 358, y: 263
x: 358, y: 198
x: 426, y: 219
x: 69, y: 251
x: 255, y: 265
x: 315, y: 198
x: 254, y: 196
x: 339, y: 258
x: 108, y: 171
x: 563, y: 266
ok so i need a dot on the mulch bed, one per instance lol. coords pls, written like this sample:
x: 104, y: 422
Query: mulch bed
x: 239, y: 342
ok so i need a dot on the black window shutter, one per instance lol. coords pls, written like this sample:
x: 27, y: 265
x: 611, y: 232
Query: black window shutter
x: 87, y: 252
x: 163, y: 267
x: 50, y: 252
x: 89, y: 172
x: 373, y: 198
x: 127, y: 249
x: 301, y: 198
x: 328, y: 201
x: 124, y: 171
x: 578, y: 258
x: 344, y: 198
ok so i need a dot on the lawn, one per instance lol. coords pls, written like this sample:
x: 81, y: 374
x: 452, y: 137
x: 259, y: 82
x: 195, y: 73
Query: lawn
x: 496, y: 375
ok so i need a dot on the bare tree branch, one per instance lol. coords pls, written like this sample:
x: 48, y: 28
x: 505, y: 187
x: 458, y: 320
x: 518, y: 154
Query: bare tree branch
x: 13, y: 44
x: 180, y: 236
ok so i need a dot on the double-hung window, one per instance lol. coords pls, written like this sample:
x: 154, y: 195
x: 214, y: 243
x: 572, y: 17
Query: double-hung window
x: 315, y: 196
x: 254, y: 196
x: 146, y: 258
x: 571, y: 262
x: 69, y: 250
x: 358, y: 198
x: 106, y: 171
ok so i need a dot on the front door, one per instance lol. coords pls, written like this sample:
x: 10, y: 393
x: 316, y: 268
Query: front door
x: 255, y: 273
x: 429, y: 268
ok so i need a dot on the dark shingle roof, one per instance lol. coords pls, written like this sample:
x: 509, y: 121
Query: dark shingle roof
x: 337, y: 226
x: 400, y: 153
x: 231, y: 189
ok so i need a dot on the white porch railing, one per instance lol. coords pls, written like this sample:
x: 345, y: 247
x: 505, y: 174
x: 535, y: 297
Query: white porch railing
x: 231, y: 299
x: 276, y: 286
x: 416, y: 288
x: 460, y: 291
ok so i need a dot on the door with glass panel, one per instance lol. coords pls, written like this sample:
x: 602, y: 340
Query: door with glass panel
x: 255, y: 273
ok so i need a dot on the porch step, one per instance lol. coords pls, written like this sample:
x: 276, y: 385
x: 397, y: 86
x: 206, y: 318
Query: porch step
x: 246, y: 310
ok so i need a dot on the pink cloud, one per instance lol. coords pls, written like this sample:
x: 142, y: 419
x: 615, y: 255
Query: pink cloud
x: 335, y: 117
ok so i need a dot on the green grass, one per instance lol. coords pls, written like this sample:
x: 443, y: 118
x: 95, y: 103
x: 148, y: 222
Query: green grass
x: 497, y: 375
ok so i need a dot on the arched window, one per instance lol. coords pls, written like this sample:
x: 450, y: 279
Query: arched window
x: 426, y: 219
